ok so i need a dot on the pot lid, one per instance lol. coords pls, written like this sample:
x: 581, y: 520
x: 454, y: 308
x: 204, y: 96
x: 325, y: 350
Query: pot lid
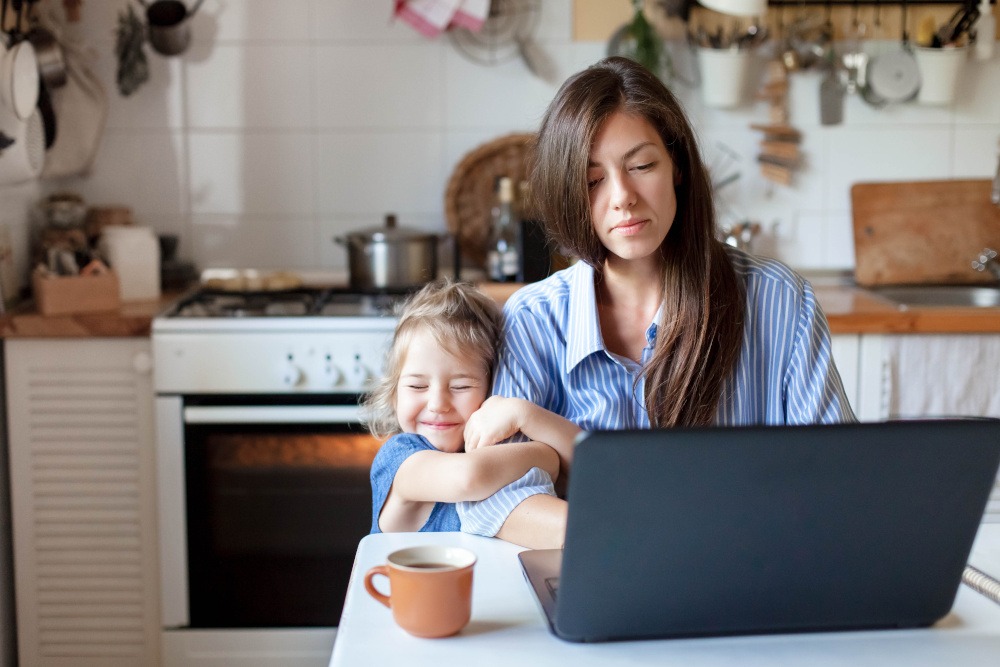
x: 389, y: 232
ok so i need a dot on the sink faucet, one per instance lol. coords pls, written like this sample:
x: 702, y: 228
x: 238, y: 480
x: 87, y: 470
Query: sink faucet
x: 988, y: 262
x: 741, y: 235
x: 995, y: 194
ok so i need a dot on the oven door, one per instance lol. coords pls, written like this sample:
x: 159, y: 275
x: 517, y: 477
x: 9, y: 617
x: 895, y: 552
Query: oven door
x: 262, y: 505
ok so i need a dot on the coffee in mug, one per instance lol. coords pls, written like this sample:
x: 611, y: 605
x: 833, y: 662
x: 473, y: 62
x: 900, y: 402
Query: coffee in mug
x: 430, y: 589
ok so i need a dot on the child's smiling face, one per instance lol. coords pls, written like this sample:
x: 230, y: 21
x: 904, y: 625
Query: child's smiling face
x: 437, y: 391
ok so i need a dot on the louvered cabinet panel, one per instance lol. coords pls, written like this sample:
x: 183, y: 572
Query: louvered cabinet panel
x: 80, y: 415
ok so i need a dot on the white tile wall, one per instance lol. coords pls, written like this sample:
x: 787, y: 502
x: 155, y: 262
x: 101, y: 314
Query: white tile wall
x: 250, y: 85
x: 15, y: 201
x: 288, y: 123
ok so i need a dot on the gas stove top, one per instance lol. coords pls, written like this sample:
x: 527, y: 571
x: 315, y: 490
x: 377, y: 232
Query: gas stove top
x: 308, y: 339
x: 303, y: 309
x: 302, y: 302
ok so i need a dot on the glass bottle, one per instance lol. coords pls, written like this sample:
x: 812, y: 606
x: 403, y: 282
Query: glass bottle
x: 503, y: 260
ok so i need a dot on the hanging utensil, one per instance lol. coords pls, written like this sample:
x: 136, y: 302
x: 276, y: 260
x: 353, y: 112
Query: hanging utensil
x: 24, y: 157
x: 48, y: 115
x: 867, y: 93
x: 811, y: 40
x: 16, y: 5
x: 895, y: 76
x: 959, y: 24
x: 169, y: 27
x: 855, y: 60
x: 50, y: 70
x: 831, y: 88
x: 788, y: 55
x: 19, y: 78
x: 51, y: 60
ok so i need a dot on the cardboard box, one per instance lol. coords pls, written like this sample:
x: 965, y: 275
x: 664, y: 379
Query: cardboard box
x: 61, y: 295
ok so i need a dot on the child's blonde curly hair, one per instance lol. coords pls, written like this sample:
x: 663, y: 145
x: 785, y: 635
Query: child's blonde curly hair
x: 459, y: 316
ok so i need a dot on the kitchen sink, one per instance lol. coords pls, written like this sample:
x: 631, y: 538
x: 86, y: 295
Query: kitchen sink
x: 941, y: 296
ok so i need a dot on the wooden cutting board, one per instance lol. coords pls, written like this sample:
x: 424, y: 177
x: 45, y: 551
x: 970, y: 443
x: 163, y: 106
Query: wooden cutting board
x: 922, y: 231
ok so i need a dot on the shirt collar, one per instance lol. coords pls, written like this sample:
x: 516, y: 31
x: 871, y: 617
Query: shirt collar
x: 584, y: 335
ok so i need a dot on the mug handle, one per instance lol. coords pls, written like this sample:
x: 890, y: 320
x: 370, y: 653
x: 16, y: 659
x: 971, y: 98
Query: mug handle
x: 370, y: 587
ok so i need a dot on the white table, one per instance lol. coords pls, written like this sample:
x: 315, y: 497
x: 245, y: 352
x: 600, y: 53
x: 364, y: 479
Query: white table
x: 507, y: 627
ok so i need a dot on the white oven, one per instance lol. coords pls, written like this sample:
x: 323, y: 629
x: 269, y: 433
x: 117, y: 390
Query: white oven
x: 263, y: 480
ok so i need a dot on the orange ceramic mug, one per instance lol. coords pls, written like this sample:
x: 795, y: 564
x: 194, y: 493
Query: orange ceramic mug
x: 430, y: 589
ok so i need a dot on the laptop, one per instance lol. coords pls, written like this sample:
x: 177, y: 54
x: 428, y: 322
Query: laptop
x: 744, y: 530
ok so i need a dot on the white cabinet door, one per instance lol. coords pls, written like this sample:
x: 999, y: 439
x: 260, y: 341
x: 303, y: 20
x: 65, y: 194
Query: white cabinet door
x: 873, y: 379
x: 845, y: 354
x: 80, y: 415
x: 914, y: 376
x: 936, y: 375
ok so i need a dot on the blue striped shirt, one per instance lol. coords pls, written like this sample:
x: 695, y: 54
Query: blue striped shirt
x: 554, y: 356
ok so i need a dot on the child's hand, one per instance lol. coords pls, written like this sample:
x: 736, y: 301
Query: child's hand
x: 496, y: 420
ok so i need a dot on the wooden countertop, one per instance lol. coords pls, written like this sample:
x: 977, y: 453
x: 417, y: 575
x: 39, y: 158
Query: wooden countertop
x: 134, y: 318
x: 852, y: 309
x: 848, y: 309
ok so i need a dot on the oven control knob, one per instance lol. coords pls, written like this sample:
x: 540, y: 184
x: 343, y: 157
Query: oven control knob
x: 360, y: 375
x: 331, y: 375
x: 291, y: 376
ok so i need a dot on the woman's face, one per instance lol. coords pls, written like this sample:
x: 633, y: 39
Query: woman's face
x: 438, y: 391
x: 630, y: 177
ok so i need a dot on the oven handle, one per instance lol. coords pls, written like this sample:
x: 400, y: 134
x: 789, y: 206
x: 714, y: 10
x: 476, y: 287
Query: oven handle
x: 272, y: 414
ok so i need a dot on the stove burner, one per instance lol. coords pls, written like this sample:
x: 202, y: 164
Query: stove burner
x: 258, y: 305
x: 367, y: 305
x: 293, y: 303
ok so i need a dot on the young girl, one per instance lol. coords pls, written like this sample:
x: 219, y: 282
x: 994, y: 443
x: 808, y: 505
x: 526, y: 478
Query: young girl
x: 439, y: 371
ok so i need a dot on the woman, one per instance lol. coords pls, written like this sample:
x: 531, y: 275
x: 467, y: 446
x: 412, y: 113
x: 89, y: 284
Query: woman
x: 659, y: 324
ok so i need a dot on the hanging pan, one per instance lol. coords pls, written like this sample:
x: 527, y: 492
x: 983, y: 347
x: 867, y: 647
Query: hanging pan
x: 895, y: 76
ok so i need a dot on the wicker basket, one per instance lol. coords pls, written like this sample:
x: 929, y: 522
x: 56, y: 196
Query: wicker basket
x: 471, y: 194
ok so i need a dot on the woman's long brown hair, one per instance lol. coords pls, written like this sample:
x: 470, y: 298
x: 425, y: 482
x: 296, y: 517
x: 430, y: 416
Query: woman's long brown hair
x: 701, y: 329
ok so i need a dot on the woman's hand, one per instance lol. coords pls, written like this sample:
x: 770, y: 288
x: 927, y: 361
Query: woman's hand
x: 496, y: 420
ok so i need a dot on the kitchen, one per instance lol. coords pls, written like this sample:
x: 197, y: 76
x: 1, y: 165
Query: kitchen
x: 262, y: 141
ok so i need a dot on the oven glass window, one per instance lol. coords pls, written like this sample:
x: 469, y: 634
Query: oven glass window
x: 275, y: 514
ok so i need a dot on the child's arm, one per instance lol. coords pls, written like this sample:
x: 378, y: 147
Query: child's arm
x: 446, y: 477
x: 499, y: 418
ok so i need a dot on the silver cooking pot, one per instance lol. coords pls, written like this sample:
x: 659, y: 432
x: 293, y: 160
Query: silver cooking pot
x: 390, y: 258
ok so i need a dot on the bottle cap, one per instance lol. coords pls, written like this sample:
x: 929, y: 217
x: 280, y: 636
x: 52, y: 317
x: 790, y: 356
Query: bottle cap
x: 506, y: 189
